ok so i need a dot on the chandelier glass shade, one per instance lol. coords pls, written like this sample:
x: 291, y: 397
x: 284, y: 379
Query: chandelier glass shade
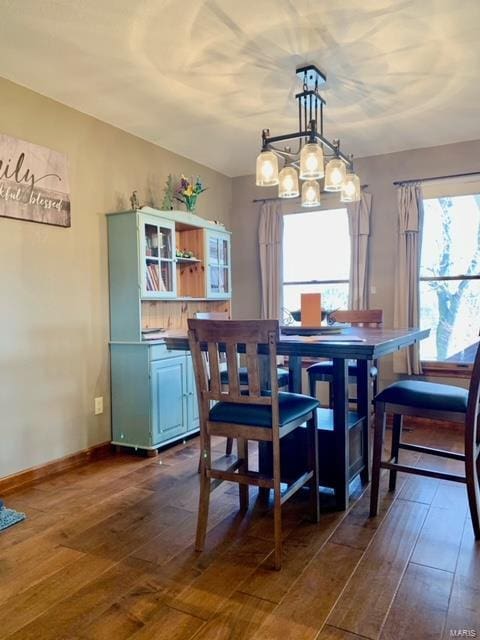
x: 310, y: 193
x: 350, y: 189
x: 267, y: 169
x: 335, y: 174
x: 313, y: 149
x: 288, y: 183
x: 311, y: 162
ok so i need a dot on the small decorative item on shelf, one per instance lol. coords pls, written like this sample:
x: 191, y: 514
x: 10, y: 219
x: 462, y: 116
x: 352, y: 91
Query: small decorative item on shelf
x: 168, y: 193
x: 188, y: 192
x: 134, y: 201
x: 185, y: 255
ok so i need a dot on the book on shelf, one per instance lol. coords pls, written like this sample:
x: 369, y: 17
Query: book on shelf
x: 150, y: 284
x: 153, y: 334
x: 154, y: 278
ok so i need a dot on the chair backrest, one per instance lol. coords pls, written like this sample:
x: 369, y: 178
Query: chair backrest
x: 212, y: 315
x: 363, y: 318
x: 472, y: 419
x: 209, y: 339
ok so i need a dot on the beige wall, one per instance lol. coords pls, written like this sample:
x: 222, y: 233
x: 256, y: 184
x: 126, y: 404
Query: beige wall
x: 53, y: 283
x: 378, y: 172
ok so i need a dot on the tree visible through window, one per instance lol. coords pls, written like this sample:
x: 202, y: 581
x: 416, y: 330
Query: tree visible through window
x: 316, y: 258
x: 450, y: 276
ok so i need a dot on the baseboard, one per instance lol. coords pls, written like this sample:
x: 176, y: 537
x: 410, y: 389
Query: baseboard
x: 35, y: 474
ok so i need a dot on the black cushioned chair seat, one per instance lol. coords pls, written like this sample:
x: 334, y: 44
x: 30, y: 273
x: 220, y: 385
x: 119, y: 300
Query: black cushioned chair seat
x: 282, y: 376
x: 326, y: 369
x: 291, y: 407
x: 426, y: 395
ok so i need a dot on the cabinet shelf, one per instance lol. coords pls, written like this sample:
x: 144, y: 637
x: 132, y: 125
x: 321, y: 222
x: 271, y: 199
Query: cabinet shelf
x: 187, y: 261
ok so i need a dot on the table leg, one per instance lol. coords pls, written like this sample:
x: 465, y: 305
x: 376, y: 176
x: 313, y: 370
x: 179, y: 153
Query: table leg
x: 364, y: 404
x: 341, y: 440
x: 294, y: 374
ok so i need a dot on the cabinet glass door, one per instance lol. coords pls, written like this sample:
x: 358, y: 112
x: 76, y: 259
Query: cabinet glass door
x: 158, y: 255
x: 218, y: 265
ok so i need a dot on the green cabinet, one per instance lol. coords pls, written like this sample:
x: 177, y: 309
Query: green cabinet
x: 153, y: 396
x: 164, y: 266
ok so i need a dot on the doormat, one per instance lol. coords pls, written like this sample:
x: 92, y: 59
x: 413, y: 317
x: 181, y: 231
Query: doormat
x: 9, y: 517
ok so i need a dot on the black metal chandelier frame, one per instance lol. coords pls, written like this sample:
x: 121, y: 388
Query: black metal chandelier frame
x: 310, y: 114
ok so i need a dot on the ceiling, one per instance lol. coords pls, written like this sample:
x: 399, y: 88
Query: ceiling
x: 203, y: 77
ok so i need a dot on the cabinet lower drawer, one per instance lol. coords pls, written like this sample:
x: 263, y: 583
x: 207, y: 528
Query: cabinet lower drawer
x: 160, y: 352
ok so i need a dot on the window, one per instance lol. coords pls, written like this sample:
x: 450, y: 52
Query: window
x: 450, y: 278
x: 316, y: 258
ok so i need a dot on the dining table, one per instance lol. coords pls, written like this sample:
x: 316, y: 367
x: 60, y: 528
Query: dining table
x: 361, y: 344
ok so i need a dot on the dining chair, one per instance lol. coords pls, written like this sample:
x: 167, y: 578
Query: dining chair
x: 282, y: 373
x: 323, y: 371
x: 251, y: 414
x: 439, y: 402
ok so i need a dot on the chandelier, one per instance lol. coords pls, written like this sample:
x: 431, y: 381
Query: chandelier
x: 307, y: 162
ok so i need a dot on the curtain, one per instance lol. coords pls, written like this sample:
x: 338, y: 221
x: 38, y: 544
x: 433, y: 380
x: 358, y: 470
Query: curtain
x: 407, y: 288
x: 270, y: 237
x: 359, y: 229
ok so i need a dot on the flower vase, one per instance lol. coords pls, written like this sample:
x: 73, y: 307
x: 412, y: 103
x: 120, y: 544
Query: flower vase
x: 190, y: 203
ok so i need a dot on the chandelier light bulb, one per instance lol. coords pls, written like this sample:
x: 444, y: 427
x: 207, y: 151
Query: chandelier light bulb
x: 267, y: 169
x: 311, y: 162
x: 310, y: 193
x: 351, y: 188
x: 288, y: 183
x: 335, y: 173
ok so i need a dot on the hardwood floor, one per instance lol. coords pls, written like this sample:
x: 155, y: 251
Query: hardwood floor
x: 107, y: 553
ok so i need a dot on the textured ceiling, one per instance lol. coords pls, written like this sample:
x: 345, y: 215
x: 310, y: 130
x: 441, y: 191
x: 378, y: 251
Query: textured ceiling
x: 203, y: 77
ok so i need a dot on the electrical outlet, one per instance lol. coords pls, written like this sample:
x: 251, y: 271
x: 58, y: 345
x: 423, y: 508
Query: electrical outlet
x: 98, y: 405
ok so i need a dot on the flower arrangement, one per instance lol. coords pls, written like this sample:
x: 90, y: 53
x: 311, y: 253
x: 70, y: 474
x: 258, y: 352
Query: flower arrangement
x: 188, y: 192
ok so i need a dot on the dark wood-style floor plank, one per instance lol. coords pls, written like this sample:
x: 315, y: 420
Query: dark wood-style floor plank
x: 304, y: 610
x: 298, y: 550
x: 464, y: 610
x: 238, y: 619
x: 439, y: 542
x: 420, y: 606
x: 77, y: 609
x: 332, y: 633
x: 222, y: 578
x: 376, y: 579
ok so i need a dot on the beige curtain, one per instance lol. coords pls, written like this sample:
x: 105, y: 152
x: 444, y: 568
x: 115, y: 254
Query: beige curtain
x: 270, y: 238
x: 359, y: 228
x: 407, y: 289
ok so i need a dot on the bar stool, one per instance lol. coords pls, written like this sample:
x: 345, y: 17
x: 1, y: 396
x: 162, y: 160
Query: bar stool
x: 255, y: 415
x: 439, y: 402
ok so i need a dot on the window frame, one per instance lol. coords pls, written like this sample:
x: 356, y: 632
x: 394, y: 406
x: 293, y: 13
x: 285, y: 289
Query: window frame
x: 322, y: 210
x: 444, y: 368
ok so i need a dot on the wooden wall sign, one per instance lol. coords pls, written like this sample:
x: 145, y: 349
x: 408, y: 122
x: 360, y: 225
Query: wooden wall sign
x: 33, y: 183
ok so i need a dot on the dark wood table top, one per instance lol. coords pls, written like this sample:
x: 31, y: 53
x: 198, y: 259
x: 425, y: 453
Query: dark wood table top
x: 358, y: 343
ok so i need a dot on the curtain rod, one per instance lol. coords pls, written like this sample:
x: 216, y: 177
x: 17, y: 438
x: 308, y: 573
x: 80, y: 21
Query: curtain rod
x: 363, y: 186
x: 398, y: 183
